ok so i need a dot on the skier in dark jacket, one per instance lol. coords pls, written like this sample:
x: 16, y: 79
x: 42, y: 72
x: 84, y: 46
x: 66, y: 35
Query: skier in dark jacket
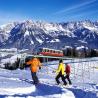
x: 68, y: 70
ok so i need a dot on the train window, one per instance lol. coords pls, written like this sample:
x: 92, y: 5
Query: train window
x: 45, y: 50
x: 51, y: 51
x: 48, y: 51
x: 55, y: 51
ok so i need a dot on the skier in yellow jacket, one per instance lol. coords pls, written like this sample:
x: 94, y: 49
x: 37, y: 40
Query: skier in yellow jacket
x: 61, y: 72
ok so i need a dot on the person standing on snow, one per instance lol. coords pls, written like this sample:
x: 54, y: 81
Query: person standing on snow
x: 68, y: 70
x: 61, y: 72
x: 35, y: 64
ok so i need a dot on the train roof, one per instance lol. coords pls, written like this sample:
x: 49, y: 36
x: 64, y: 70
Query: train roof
x: 51, y: 49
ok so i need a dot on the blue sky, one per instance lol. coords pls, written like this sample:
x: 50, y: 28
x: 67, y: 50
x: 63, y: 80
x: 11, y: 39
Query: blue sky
x: 48, y: 10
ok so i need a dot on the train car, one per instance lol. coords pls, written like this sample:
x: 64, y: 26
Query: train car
x: 50, y: 52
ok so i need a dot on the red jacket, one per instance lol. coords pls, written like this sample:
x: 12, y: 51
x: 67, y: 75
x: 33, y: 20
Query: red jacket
x: 67, y: 69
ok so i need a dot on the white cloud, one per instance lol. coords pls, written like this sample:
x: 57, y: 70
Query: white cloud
x: 82, y: 16
x: 75, y: 7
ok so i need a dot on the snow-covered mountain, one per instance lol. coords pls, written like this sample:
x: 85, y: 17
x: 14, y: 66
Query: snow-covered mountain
x: 34, y: 34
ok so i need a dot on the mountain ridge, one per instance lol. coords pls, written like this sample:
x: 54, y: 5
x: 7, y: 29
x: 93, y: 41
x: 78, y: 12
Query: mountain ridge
x: 35, y: 34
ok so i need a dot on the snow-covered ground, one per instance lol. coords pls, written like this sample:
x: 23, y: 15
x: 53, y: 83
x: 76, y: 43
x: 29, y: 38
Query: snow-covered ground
x: 18, y: 83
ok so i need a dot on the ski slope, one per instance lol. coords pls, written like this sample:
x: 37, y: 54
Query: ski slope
x: 18, y: 83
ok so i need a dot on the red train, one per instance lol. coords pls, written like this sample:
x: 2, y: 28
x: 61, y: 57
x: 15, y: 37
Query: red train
x: 50, y: 52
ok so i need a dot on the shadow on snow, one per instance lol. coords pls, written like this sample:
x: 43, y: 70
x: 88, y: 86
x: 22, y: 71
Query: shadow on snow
x: 79, y: 93
x: 41, y: 90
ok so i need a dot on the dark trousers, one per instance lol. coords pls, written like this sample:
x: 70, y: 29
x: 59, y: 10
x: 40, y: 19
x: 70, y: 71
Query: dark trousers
x: 62, y: 77
x: 34, y: 77
x: 67, y: 77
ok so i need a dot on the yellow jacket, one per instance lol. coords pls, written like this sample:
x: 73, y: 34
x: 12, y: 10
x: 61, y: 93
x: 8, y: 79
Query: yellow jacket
x: 61, y: 68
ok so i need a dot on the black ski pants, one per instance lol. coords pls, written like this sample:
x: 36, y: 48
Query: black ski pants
x: 34, y: 77
x: 62, y: 77
x: 68, y: 78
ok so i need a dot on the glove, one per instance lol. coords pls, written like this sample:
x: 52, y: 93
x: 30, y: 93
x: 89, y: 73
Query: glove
x: 39, y: 68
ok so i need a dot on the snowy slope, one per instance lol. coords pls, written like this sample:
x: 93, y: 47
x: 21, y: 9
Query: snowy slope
x: 18, y: 83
